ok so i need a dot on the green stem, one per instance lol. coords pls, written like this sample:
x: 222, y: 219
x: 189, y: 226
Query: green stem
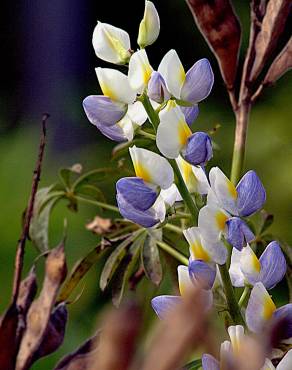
x: 97, y: 203
x: 233, y: 306
x: 244, y: 295
x: 242, y: 117
x: 173, y: 252
x: 184, y: 191
x: 152, y: 114
x: 147, y: 134
x: 173, y: 228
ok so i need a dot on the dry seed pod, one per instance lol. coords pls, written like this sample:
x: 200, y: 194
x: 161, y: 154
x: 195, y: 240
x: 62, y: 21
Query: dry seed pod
x: 272, y: 27
x: 40, y: 311
x: 221, y: 28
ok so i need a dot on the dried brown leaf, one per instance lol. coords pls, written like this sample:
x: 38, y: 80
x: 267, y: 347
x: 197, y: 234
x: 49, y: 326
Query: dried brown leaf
x: 273, y: 24
x: 79, y: 359
x: 280, y: 65
x: 40, y: 311
x: 220, y: 26
x: 27, y: 292
x: 99, y: 225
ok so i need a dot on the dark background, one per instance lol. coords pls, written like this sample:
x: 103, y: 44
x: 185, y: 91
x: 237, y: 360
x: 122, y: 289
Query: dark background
x: 48, y: 65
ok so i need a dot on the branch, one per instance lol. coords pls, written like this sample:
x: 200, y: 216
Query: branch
x: 29, y: 212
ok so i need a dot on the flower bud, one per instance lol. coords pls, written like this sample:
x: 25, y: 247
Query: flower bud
x: 238, y: 233
x: 149, y: 27
x: 111, y: 44
x: 157, y: 90
x: 198, y: 150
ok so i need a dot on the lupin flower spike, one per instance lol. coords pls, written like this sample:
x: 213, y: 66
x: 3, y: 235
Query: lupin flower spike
x: 111, y: 44
x: 269, y: 269
x: 149, y: 27
x: 175, y: 138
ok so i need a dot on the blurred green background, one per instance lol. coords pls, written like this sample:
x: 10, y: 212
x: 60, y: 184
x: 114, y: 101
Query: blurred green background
x: 49, y: 67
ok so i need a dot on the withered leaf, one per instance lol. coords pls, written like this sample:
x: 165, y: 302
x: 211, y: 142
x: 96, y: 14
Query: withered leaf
x: 27, y: 292
x: 40, y: 311
x: 150, y: 257
x: 273, y: 24
x: 99, y: 225
x: 79, y: 359
x: 55, y: 332
x: 8, y: 338
x: 280, y: 65
x: 221, y: 28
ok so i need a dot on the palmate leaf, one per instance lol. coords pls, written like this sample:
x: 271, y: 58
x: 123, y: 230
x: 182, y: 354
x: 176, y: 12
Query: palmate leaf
x: 126, y: 269
x: 115, y: 259
x: 93, y: 177
x: 66, y: 174
x: 194, y: 365
x: 150, y: 256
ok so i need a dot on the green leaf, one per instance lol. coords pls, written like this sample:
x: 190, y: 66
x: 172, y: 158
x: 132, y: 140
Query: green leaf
x: 194, y: 365
x: 39, y: 226
x: 81, y: 269
x: 66, y: 174
x: 150, y: 257
x: 126, y: 269
x: 91, y: 191
x: 93, y: 177
x: 115, y: 259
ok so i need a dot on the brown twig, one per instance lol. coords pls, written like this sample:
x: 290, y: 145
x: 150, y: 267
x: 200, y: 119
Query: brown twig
x: 29, y: 212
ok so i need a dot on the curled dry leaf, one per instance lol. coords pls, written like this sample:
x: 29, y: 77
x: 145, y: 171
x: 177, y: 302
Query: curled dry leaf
x: 99, y: 225
x: 27, y: 292
x: 273, y: 24
x: 81, y: 357
x: 280, y: 65
x: 40, y: 311
x: 221, y: 28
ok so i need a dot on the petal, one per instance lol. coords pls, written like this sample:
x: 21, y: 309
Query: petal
x: 187, y: 174
x: 273, y: 265
x: 139, y: 71
x: 159, y: 209
x: 184, y: 280
x: 151, y: 167
x: 224, y: 190
x: 260, y: 308
x: 173, y: 132
x: 115, y: 85
x: 210, y: 363
x: 102, y: 110
x: 284, y: 315
x: 111, y: 44
x: 236, y: 334
x: 286, y: 362
x: 236, y: 275
x: 157, y: 90
x: 251, y: 194
x: 137, y: 113
x: 114, y: 132
x: 198, y: 149
x: 171, y: 195
x: 203, y: 273
x: 202, y: 181
x: 173, y: 73
x: 212, y: 222
x: 190, y: 113
x: 126, y: 125
x: 197, y: 249
x: 238, y: 233
x: 146, y: 218
x: 136, y: 192
x: 163, y: 304
x: 199, y: 82
x: 149, y: 27
x: 268, y: 365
